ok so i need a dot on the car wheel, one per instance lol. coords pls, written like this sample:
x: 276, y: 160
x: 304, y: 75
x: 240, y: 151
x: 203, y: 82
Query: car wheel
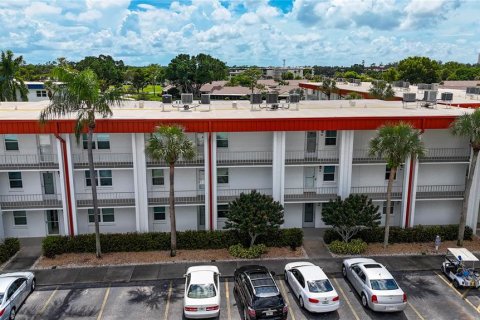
x: 456, y: 284
x: 32, y: 286
x: 285, y: 275
x: 300, y: 302
x: 364, y: 301
x: 12, y: 314
x: 344, y: 271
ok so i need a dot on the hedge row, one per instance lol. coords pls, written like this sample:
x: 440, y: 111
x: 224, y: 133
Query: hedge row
x: 8, y: 248
x: 398, y: 235
x: 356, y: 246
x: 190, y: 240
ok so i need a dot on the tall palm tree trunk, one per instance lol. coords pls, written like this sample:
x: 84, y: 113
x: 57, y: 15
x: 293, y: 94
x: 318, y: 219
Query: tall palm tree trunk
x: 391, y: 177
x: 466, y: 197
x: 93, y: 183
x: 173, y: 223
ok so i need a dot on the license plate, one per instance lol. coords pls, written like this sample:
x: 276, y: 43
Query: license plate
x: 201, y: 309
x: 269, y: 313
x: 325, y: 302
x: 391, y: 308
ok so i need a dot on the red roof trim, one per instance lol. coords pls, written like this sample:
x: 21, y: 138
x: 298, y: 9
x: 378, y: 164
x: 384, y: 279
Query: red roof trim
x: 226, y: 125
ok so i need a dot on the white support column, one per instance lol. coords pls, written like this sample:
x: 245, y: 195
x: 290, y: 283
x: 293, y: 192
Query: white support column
x: 72, y: 184
x: 474, y: 200
x: 413, y: 193
x: 278, y: 166
x: 206, y: 159
x: 140, y: 182
x: 63, y: 189
x: 345, y: 163
x: 213, y: 140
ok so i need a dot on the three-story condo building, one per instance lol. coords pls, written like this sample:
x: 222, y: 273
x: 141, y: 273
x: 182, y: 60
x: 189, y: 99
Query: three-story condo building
x: 302, y: 156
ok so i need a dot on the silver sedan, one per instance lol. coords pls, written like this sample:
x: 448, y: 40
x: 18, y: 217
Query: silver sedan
x: 14, y: 289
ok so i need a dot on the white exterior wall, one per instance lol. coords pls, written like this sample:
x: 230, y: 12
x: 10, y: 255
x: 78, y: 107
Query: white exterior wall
x: 185, y: 179
x: 442, y: 174
x: 186, y: 219
x: 122, y: 181
x: 119, y: 143
x: 124, y: 222
x: 248, y: 178
x: 443, y: 139
x: 36, y: 224
x: 373, y: 175
x: 437, y: 212
x: 249, y: 141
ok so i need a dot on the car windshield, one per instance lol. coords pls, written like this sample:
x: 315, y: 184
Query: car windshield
x: 319, y: 286
x: 384, y: 284
x: 201, y: 291
x: 268, y: 302
x: 1, y: 296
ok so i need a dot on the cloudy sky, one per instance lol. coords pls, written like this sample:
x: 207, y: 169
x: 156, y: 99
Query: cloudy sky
x: 260, y: 32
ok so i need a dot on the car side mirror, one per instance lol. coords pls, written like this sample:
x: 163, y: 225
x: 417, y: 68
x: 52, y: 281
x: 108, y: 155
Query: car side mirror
x: 272, y: 273
x: 185, y: 275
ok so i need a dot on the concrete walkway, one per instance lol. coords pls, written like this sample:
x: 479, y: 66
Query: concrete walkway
x: 142, y: 273
x: 30, y: 251
x: 313, y: 243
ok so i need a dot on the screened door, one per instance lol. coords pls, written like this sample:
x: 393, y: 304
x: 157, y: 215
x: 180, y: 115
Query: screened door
x: 309, y: 178
x: 308, y: 215
x: 45, y: 148
x: 311, y: 143
x: 48, y: 183
x: 201, y: 218
x: 53, y: 227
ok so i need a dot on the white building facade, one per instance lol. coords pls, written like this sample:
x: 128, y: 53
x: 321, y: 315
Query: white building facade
x: 45, y: 185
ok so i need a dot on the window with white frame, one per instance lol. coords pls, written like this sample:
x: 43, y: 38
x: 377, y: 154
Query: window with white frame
x: 159, y: 213
x: 41, y: 93
x: 222, y: 211
x: 384, y: 207
x: 105, y: 215
x: 100, y: 141
x: 222, y: 140
x: 11, y: 142
x: 387, y: 173
x: 15, y: 179
x: 222, y: 175
x: 19, y: 218
x: 158, y: 178
x: 105, y: 178
x: 330, y: 138
x: 329, y: 173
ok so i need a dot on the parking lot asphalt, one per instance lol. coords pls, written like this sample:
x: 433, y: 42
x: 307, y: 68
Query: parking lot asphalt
x: 430, y: 296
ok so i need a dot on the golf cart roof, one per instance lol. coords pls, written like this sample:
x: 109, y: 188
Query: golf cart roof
x: 463, y: 253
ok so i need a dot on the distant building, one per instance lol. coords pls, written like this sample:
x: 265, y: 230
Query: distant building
x: 36, y: 91
x: 272, y: 72
x: 478, y: 61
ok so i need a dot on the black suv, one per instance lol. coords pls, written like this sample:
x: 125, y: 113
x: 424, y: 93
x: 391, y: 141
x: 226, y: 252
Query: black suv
x: 258, y: 294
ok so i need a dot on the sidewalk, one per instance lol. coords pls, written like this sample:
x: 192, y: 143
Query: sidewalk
x: 30, y: 251
x: 136, y: 273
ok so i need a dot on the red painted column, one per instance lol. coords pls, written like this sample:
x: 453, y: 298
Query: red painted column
x: 67, y: 184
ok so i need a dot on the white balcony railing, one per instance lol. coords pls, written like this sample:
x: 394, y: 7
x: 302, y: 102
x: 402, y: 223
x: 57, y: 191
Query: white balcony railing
x: 440, y: 191
x: 28, y: 161
x: 446, y: 155
x: 363, y: 156
x: 227, y: 195
x: 310, y: 194
x: 318, y: 157
x: 181, y: 197
x: 244, y: 158
x: 104, y: 160
x: 26, y: 201
x: 196, y: 162
x: 378, y: 192
x: 106, y: 199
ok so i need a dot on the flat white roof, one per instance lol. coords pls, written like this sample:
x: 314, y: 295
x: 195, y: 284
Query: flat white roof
x: 464, y: 253
x: 226, y: 110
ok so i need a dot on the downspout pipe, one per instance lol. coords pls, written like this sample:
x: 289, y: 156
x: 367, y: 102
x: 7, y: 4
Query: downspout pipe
x: 409, y: 191
x: 67, y: 184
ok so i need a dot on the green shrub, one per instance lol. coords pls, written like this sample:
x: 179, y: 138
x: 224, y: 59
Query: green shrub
x: 356, y: 246
x: 187, y: 240
x: 239, y: 251
x: 8, y: 248
x: 398, y: 235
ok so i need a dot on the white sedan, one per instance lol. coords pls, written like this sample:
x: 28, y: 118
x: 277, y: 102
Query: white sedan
x: 202, y: 292
x: 311, y: 286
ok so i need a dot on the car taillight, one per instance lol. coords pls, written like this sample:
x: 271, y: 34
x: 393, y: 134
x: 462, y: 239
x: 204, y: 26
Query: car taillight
x: 2, y: 312
x: 251, y: 312
x: 374, y: 299
x: 285, y: 309
x: 191, y: 309
x: 212, y: 308
x: 404, y: 297
x: 313, y: 300
x: 336, y: 298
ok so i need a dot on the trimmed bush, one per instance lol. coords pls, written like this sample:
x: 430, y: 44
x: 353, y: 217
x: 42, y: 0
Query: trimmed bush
x: 187, y: 240
x: 356, y: 246
x: 8, y: 248
x: 398, y: 235
x: 239, y: 251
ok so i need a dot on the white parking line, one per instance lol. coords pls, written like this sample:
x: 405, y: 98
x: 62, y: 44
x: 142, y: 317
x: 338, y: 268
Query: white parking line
x: 282, y: 287
x: 460, y: 294
x: 48, y: 302
x: 346, y: 299
x: 415, y: 310
x: 168, y: 301
x: 103, y: 304
x: 227, y: 296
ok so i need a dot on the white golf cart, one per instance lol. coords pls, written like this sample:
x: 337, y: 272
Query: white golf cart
x: 459, y: 267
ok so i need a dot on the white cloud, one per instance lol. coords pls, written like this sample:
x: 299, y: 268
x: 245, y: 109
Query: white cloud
x: 38, y: 9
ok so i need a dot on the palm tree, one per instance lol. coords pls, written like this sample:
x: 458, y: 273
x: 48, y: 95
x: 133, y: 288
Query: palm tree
x: 468, y: 125
x: 328, y: 87
x: 381, y: 90
x: 79, y: 94
x: 394, y: 143
x: 9, y: 85
x: 169, y: 144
